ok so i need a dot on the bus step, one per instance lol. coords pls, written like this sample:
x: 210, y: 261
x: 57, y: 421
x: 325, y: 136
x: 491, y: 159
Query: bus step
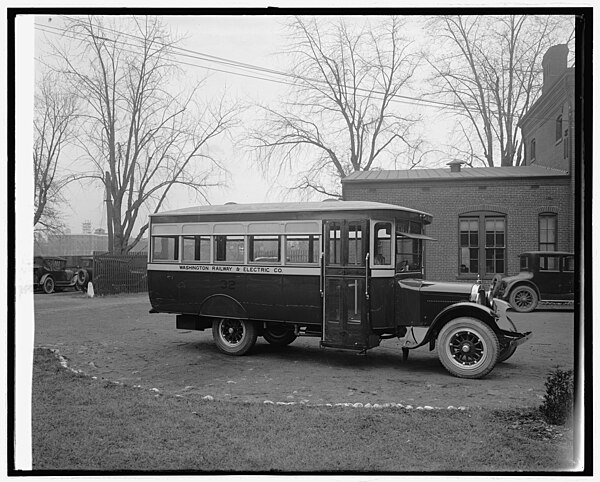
x: 310, y: 333
x: 360, y: 350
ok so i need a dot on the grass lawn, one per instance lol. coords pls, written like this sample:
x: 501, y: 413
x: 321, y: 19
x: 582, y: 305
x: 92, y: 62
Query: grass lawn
x: 91, y: 425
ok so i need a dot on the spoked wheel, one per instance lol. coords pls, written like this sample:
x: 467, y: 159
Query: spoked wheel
x: 468, y: 348
x: 234, y: 337
x: 277, y: 334
x: 523, y: 299
x: 48, y: 285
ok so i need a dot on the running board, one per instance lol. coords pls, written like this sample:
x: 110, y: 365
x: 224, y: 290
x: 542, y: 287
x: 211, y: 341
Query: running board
x: 353, y: 349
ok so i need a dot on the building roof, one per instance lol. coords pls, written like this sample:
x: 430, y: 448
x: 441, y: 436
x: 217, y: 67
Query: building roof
x: 474, y: 173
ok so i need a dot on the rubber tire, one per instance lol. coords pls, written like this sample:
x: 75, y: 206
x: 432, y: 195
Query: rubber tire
x: 279, y: 335
x: 48, y: 285
x: 234, y: 337
x: 83, y: 278
x: 506, y: 352
x: 482, y: 333
x: 517, y: 305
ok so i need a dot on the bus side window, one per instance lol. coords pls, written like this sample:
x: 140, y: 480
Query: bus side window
x: 355, y: 244
x: 165, y: 248
x: 196, y: 248
x: 383, y: 244
x: 302, y: 248
x: 229, y: 248
x: 264, y: 249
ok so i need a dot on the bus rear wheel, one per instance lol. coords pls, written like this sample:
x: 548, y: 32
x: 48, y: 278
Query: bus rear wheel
x: 468, y: 348
x: 279, y: 335
x: 234, y: 337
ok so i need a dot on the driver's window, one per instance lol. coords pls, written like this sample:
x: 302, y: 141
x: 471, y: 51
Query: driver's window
x: 409, y: 255
x: 382, y: 245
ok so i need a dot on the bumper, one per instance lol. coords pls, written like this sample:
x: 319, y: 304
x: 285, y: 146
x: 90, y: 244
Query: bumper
x: 508, y: 330
x: 516, y: 339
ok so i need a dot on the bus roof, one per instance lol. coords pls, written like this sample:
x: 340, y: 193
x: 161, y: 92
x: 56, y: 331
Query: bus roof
x: 262, y: 208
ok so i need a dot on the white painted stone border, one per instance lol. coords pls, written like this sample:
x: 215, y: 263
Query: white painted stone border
x: 367, y: 405
x: 210, y: 398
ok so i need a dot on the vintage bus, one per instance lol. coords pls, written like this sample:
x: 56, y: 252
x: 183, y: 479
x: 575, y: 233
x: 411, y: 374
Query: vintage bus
x: 347, y: 272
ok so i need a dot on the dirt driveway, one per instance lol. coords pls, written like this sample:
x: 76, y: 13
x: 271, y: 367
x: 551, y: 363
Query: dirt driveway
x: 115, y: 338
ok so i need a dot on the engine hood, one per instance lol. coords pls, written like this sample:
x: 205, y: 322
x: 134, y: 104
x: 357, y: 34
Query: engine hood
x: 442, y: 287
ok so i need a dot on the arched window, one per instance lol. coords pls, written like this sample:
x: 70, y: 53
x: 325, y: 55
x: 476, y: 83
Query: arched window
x: 558, y: 130
x: 532, y: 151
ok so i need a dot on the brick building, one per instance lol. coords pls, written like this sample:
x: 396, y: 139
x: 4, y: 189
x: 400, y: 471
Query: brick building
x: 484, y: 217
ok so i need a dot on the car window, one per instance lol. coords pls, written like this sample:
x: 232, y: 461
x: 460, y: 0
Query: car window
x: 549, y: 263
x: 569, y: 263
x: 524, y: 263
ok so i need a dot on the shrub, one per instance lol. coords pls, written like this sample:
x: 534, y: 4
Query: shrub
x: 557, y: 408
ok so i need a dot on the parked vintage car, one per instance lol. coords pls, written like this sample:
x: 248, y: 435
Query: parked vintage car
x: 50, y: 274
x: 546, y: 276
x: 85, y: 274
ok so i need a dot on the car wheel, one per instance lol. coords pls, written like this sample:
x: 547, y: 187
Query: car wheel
x: 280, y: 335
x: 48, y: 285
x: 83, y: 277
x: 468, y: 348
x: 523, y: 299
x: 234, y: 337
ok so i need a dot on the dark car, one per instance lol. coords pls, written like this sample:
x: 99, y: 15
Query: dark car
x: 546, y: 276
x: 50, y: 274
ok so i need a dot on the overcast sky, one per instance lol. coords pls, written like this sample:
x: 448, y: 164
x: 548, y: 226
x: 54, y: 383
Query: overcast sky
x: 251, y: 39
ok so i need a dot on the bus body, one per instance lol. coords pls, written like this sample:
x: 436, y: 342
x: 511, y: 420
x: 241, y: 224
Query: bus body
x: 348, y: 272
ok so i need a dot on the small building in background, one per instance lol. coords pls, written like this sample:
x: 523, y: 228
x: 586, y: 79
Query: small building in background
x: 71, y: 244
x: 78, y: 244
x: 483, y: 218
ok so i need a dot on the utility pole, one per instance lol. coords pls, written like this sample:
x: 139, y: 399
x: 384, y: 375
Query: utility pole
x: 109, y: 212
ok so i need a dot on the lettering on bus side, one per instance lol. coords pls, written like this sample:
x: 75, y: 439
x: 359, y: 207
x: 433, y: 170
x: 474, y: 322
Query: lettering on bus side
x: 230, y: 269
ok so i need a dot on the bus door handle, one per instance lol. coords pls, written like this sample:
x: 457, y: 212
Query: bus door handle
x: 321, y: 278
x: 367, y: 276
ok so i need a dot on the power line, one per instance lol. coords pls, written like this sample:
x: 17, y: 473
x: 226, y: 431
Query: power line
x: 203, y: 57
x: 408, y: 100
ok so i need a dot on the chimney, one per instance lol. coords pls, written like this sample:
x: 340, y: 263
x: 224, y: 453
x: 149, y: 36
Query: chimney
x: 554, y: 64
x: 455, y: 165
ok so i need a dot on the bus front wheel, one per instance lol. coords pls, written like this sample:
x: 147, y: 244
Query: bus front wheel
x: 468, y: 348
x: 234, y: 337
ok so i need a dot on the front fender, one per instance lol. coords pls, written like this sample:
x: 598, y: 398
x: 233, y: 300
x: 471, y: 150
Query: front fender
x: 473, y: 310
x: 43, y: 279
x: 524, y: 280
x: 495, y: 318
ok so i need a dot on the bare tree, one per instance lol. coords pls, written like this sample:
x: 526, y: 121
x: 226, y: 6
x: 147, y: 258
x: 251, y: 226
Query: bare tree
x: 489, y: 68
x: 342, y: 115
x: 55, y: 112
x: 142, y: 139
